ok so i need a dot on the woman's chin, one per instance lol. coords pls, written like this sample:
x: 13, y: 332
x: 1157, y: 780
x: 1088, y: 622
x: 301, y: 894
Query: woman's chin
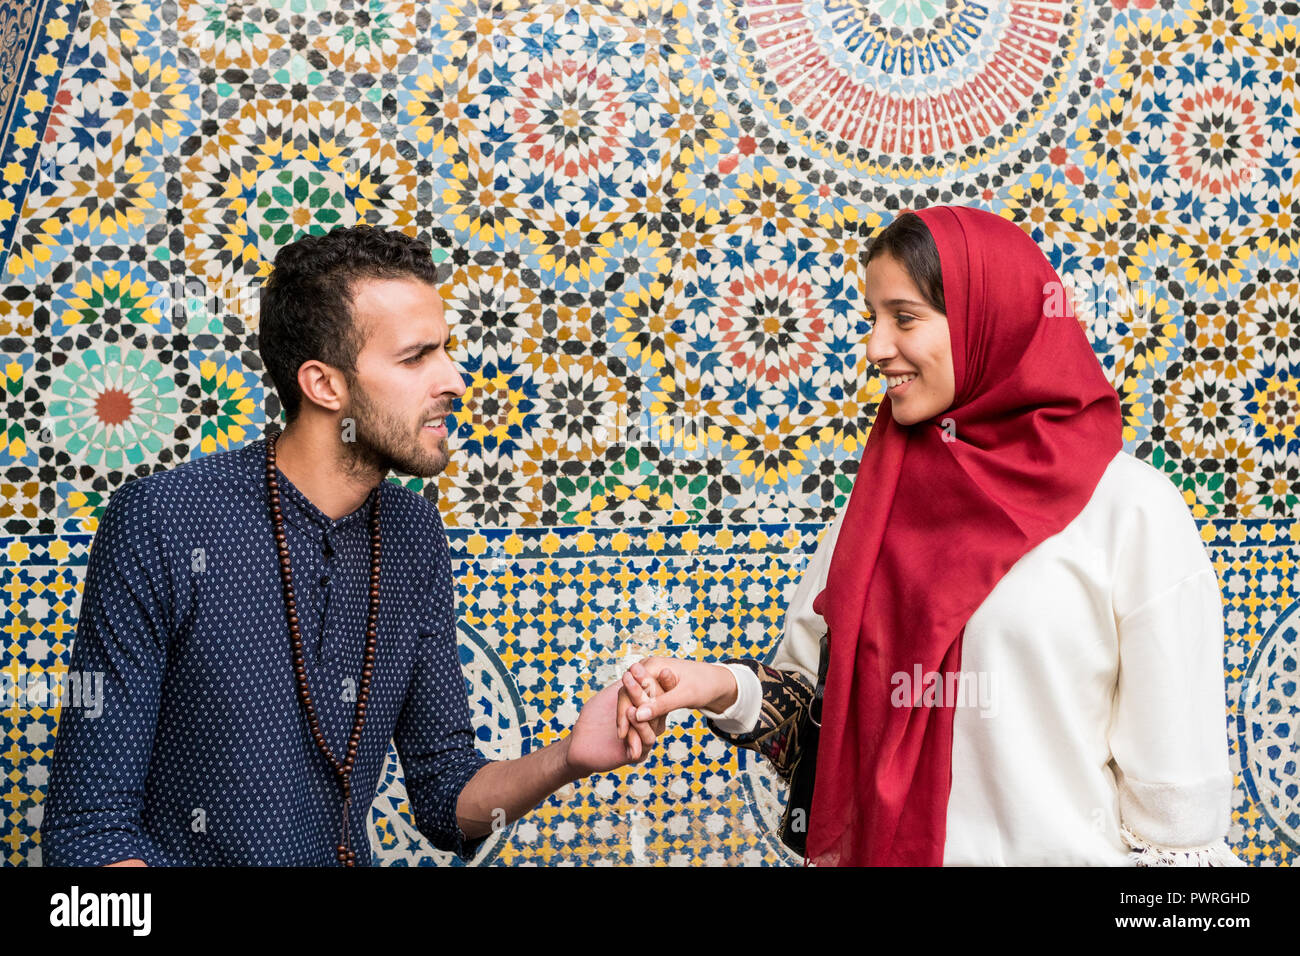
x: 909, y: 415
x: 902, y: 417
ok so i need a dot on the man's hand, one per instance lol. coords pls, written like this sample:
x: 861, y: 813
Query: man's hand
x: 690, y: 684
x: 594, y: 747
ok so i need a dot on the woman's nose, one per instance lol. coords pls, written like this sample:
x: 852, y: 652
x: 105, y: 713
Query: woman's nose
x: 879, y: 347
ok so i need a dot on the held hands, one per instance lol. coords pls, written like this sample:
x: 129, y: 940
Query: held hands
x: 594, y: 747
x: 684, y: 683
x: 636, y: 710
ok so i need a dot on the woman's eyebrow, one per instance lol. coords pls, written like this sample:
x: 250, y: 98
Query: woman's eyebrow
x: 897, y: 302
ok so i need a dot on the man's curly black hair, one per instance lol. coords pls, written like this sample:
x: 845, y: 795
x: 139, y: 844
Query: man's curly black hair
x: 306, y: 307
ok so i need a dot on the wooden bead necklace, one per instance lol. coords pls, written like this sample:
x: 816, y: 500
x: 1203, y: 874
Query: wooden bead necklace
x: 344, y: 852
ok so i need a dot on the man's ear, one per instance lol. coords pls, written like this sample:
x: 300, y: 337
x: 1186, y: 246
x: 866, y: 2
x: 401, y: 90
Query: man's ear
x: 322, y: 385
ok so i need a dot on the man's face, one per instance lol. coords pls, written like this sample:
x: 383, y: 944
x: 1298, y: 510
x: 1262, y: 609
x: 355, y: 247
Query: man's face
x: 406, y: 384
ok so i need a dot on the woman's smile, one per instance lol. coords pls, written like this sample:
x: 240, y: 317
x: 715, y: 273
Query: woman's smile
x: 898, y: 383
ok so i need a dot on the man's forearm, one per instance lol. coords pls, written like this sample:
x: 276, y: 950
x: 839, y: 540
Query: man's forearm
x: 504, y: 790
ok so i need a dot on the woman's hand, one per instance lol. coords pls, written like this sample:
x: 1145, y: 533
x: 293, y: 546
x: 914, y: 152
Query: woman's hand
x: 641, y: 736
x: 690, y: 684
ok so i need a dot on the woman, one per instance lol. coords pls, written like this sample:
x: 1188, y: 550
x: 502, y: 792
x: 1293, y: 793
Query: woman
x: 1025, y: 632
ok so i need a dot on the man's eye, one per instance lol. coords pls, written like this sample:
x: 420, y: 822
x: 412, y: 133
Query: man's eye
x: 413, y: 359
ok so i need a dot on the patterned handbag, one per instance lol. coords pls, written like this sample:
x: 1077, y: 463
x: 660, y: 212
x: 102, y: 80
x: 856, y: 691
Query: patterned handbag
x: 803, y: 775
x: 786, y: 734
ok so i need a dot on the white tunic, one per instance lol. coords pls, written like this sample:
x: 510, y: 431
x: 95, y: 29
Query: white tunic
x: 1091, y: 721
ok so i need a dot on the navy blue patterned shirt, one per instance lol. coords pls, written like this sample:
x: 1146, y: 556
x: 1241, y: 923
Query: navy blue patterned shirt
x: 202, y: 753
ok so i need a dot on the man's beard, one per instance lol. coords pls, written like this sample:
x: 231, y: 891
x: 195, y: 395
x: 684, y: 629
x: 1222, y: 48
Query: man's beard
x: 385, y: 443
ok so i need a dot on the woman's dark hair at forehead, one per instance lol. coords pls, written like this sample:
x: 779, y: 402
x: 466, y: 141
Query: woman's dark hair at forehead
x: 908, y: 240
x: 306, y: 307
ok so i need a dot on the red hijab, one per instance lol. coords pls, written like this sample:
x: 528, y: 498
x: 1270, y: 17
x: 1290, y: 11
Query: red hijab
x: 933, y: 524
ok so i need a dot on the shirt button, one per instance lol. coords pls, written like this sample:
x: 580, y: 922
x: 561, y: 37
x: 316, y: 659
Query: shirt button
x: 324, y: 580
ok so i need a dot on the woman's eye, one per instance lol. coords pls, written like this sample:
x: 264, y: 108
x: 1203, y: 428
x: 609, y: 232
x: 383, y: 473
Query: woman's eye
x: 903, y: 319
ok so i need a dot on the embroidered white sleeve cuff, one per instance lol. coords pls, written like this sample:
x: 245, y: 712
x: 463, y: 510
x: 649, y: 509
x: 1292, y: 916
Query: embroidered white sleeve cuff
x: 741, y: 716
x: 1149, y: 854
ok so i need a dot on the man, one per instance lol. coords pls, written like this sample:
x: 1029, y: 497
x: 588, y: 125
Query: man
x: 218, y: 743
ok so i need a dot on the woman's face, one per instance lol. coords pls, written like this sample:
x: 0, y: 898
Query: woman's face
x: 909, y: 343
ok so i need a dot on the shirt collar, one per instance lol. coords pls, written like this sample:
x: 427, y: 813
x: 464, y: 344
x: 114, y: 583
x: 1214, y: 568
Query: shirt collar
x: 295, y: 506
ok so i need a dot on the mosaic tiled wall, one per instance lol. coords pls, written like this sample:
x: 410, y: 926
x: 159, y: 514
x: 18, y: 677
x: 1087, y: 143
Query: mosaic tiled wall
x: 650, y: 217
